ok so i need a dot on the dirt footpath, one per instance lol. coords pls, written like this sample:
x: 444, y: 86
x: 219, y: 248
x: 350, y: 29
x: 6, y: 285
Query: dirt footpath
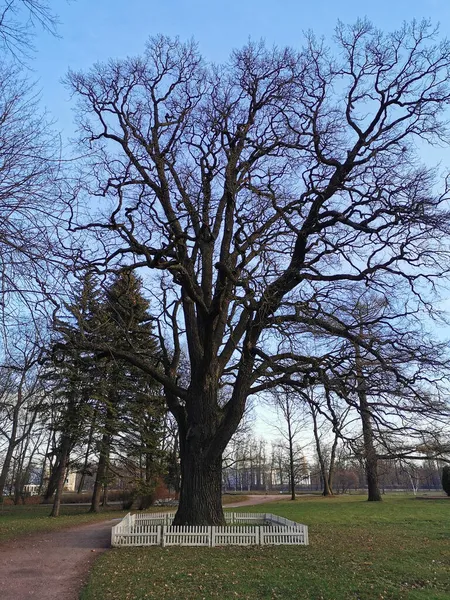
x: 51, y: 566
x: 257, y: 499
x: 54, y: 566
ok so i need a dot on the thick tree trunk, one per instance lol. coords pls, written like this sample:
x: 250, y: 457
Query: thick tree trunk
x: 325, y: 474
x: 371, y: 460
x: 330, y: 479
x: 101, y: 473
x: 5, y: 468
x: 44, y: 465
x: 291, y: 461
x: 205, y: 428
x: 370, y: 455
x: 12, y: 443
x: 86, y: 456
x: 332, y: 465
x: 373, y: 489
x: 52, y: 480
x: 201, y: 489
x: 105, y: 495
x: 327, y: 491
x: 61, y: 477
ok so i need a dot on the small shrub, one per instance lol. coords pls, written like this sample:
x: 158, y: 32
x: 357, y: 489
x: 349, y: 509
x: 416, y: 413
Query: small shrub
x: 446, y: 479
x: 74, y: 498
x: 118, y: 495
x: 161, y: 491
x: 128, y: 503
x: 32, y: 500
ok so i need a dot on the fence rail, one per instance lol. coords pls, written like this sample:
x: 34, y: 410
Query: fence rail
x: 243, y: 529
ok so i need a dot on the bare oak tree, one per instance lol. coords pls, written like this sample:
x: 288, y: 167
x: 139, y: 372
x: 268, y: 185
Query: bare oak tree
x: 244, y: 191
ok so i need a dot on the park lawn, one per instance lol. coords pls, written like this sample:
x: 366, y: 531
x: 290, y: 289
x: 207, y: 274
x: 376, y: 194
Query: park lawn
x: 397, y: 549
x: 16, y: 521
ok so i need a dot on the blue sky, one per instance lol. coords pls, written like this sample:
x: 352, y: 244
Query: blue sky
x: 95, y: 30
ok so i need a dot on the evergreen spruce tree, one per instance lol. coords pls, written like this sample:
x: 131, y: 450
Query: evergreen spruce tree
x: 132, y: 401
x: 75, y: 376
x: 107, y: 405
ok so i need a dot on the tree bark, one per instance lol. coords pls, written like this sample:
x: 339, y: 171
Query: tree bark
x: 201, y: 489
x: 105, y: 494
x: 101, y: 473
x: 44, y: 464
x: 61, y: 476
x: 86, y: 456
x: 5, y: 468
x: 291, y: 458
x: 203, y: 437
x: 52, y: 480
x: 332, y: 465
x: 327, y: 490
x: 370, y: 455
x: 12, y: 443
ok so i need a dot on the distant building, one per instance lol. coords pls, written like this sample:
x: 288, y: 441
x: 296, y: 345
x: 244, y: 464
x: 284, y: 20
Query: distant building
x: 70, y: 482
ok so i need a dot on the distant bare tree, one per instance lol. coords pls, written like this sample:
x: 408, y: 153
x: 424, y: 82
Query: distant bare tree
x: 328, y: 421
x: 22, y: 397
x: 29, y: 207
x: 18, y: 19
x: 291, y: 422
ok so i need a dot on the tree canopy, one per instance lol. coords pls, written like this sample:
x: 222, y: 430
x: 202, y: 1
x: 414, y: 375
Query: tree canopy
x: 253, y: 195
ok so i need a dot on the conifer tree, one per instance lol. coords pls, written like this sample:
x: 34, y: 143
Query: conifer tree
x: 131, y: 402
x: 76, y: 377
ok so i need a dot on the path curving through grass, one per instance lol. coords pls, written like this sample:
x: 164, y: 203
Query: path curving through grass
x: 52, y: 565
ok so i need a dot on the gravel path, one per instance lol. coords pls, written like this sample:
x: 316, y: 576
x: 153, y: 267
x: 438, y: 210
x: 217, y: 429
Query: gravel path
x: 259, y: 499
x: 54, y: 566
x: 51, y: 566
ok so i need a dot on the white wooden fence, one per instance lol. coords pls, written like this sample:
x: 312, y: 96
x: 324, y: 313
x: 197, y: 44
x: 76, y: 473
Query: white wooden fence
x: 156, y: 529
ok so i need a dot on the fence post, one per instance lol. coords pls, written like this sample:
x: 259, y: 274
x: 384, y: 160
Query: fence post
x: 158, y: 535
x: 163, y: 536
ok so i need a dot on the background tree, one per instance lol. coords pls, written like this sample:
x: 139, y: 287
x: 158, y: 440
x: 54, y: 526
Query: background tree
x: 18, y: 19
x: 446, y: 479
x: 23, y: 396
x: 326, y: 414
x: 30, y: 211
x: 290, y: 411
x: 77, y: 379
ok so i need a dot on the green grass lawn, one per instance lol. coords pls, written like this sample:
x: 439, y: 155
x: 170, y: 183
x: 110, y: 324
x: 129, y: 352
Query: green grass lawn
x: 397, y: 549
x: 22, y: 520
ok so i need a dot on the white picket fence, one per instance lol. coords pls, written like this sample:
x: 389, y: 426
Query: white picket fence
x: 156, y: 529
